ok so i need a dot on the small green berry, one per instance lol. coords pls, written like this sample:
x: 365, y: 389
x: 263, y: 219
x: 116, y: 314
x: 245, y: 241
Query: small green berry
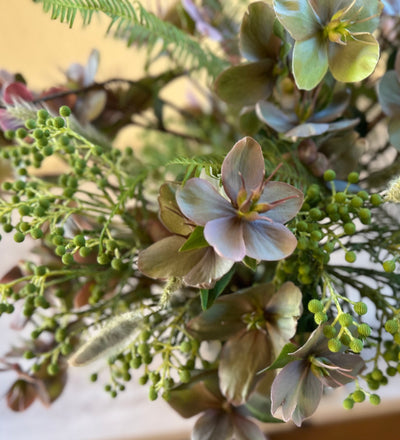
x: 377, y: 374
x: 391, y: 371
x: 345, y: 320
x: 391, y: 326
x: 59, y: 122
x: 315, y: 306
x: 329, y: 331
x: 320, y: 317
x: 340, y: 197
x: 356, y: 345
x: 358, y: 396
x: 349, y: 228
x: 348, y: 403
x: 363, y: 194
x: 67, y: 258
x: 53, y: 369
x: 329, y: 175
x: 356, y: 202
x: 350, y: 257
x: 64, y: 111
x: 374, y: 399
x: 376, y: 199
x: 334, y: 345
x: 360, y: 308
x: 353, y: 177
x: 19, y: 237
x: 364, y: 330
x: 93, y: 377
x: 152, y: 393
x: 79, y: 240
x: 389, y: 266
x: 184, y: 376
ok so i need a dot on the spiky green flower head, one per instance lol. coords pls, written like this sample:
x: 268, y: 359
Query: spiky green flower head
x: 332, y: 34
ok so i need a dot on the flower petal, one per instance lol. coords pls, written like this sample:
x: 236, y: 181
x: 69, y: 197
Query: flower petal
x: 245, y: 429
x: 298, y: 17
x: 364, y: 15
x: 226, y: 237
x: 274, y: 191
x: 334, y: 109
x: 307, y: 53
x: 355, y: 60
x: 394, y: 131
x: 213, y: 425
x: 297, y: 391
x: 308, y: 129
x: 163, y: 260
x: 242, y: 357
x: 389, y: 93
x: 255, y: 78
x: 256, y: 32
x: 210, y: 267
x: 200, y: 202
x: 244, y: 163
x: 268, y: 241
x: 274, y: 117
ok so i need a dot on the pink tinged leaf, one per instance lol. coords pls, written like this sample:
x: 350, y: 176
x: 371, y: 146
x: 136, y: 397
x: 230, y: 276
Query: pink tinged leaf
x: 225, y: 235
x: 200, y: 202
x: 242, y: 357
x: 275, y: 191
x: 297, y: 391
x: 244, y: 163
x: 213, y: 425
x: 210, y: 267
x: 15, y: 91
x: 268, y: 241
x: 21, y: 395
x: 245, y: 429
x: 275, y: 118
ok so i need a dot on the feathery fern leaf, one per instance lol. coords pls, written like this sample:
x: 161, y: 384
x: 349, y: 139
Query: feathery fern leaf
x: 136, y: 24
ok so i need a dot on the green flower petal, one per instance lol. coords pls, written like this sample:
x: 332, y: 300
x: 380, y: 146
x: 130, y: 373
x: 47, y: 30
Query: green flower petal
x: 354, y: 61
x: 246, y: 84
x: 242, y: 357
x: 298, y: 17
x: 364, y: 15
x: 310, y: 62
x: 256, y: 31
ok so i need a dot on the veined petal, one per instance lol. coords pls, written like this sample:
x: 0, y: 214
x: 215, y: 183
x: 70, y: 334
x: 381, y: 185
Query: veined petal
x: 308, y: 129
x: 241, y: 358
x: 210, y: 267
x: 310, y: 62
x: 214, y: 424
x: 255, y: 78
x: 225, y: 235
x: 364, y: 15
x: 256, y: 31
x: 244, y: 163
x: 274, y: 117
x: 268, y: 241
x: 200, y: 202
x: 298, y: 18
x: 297, y: 391
x: 355, y: 60
x: 274, y: 191
x: 163, y: 259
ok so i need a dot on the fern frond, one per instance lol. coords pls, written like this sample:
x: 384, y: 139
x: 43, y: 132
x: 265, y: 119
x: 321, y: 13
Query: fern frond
x: 130, y: 20
x: 209, y: 161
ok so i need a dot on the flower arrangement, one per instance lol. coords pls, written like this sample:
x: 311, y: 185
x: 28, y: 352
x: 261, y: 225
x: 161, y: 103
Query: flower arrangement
x: 263, y: 218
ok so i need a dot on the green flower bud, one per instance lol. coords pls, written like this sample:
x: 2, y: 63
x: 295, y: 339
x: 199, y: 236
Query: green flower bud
x: 389, y: 266
x: 315, y: 305
x: 353, y: 177
x: 329, y: 331
x: 392, y: 326
x: 349, y: 228
x: 329, y: 175
x: 19, y: 237
x: 64, y: 111
x: 334, y: 345
x: 348, y: 403
x: 340, y: 197
x: 360, y: 308
x: 358, y: 396
x: 320, y: 318
x: 356, y: 345
x: 345, y: 320
x: 356, y: 202
x: 53, y: 369
x: 374, y: 399
x: 152, y: 393
x: 376, y: 199
x: 350, y: 257
x: 364, y: 330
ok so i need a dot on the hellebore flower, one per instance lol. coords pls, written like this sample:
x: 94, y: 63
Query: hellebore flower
x: 335, y: 35
x: 220, y: 420
x: 303, y: 121
x: 199, y: 267
x: 298, y: 386
x: 256, y: 323
x: 251, y: 221
x: 260, y: 46
x: 389, y: 98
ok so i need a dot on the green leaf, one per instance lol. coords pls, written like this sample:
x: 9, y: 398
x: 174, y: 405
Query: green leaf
x: 310, y: 62
x: 204, y: 298
x: 251, y: 263
x: 216, y: 291
x: 196, y: 240
x: 283, y: 358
